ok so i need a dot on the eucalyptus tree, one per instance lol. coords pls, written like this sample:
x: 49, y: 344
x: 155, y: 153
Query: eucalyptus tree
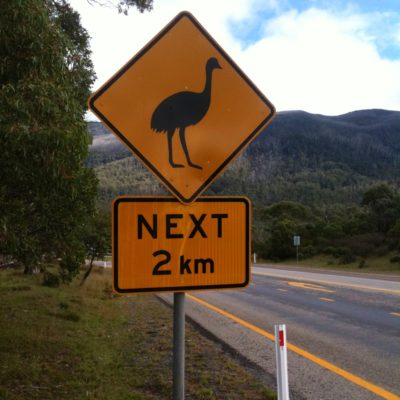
x: 123, y: 6
x: 46, y: 191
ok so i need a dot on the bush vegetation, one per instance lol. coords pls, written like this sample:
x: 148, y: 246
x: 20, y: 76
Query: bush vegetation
x: 331, y: 180
x: 347, y: 234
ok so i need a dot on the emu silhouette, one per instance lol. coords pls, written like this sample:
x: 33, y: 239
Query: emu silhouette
x: 181, y: 110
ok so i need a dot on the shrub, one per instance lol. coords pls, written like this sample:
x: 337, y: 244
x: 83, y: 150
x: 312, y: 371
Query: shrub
x: 346, y: 256
x: 340, y: 251
x: 308, y: 251
x: 332, y: 231
x: 362, y: 263
x: 395, y: 259
x: 328, y: 250
x: 51, y: 280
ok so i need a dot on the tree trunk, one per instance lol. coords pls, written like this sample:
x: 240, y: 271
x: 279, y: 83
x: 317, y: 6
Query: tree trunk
x: 30, y: 269
x: 87, y: 273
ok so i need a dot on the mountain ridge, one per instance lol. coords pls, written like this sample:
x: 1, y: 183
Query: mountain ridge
x: 309, y: 158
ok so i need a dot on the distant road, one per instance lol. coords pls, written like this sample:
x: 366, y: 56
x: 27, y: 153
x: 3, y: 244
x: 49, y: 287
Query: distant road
x: 99, y: 263
x: 350, y: 322
x: 389, y: 283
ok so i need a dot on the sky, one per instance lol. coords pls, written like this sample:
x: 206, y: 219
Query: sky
x: 322, y: 56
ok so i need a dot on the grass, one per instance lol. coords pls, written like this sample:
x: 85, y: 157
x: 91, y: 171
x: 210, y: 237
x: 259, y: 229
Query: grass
x: 77, y: 343
x: 370, y: 265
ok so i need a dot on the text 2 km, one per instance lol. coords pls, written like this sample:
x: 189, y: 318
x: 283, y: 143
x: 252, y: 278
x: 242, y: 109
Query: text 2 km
x: 180, y: 226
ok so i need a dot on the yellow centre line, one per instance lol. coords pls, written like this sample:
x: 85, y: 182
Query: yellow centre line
x: 327, y: 299
x: 396, y: 314
x: 323, y: 363
x: 310, y: 286
x: 336, y: 283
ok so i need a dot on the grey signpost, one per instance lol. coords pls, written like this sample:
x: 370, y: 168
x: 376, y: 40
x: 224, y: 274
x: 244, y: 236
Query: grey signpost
x: 126, y: 89
x: 296, y: 242
x: 179, y: 347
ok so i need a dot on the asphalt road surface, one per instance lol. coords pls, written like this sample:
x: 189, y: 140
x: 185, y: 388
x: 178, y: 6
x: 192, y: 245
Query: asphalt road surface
x: 343, y: 330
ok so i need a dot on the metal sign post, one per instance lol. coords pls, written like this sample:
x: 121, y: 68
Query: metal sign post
x: 160, y: 244
x: 179, y: 347
x: 296, y: 242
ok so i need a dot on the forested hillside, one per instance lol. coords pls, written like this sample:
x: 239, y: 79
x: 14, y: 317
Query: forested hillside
x: 332, y: 180
x: 316, y: 159
x: 302, y: 157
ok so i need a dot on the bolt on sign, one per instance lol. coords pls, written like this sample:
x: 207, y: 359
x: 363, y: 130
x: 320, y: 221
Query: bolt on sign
x: 160, y: 244
x: 183, y: 107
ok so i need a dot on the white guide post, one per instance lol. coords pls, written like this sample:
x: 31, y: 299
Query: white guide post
x: 281, y: 362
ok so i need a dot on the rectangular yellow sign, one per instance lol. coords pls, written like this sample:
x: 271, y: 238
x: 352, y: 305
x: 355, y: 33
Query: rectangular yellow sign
x: 162, y: 245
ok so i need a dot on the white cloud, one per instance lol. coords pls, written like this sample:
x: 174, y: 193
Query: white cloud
x: 323, y: 63
x: 396, y: 34
x: 116, y: 38
x: 316, y: 60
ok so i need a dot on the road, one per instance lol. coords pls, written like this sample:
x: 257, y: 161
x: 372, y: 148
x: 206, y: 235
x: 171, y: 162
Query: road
x: 375, y: 282
x: 343, y: 330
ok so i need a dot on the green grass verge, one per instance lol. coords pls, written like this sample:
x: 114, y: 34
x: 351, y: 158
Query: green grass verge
x: 77, y: 343
x: 369, y: 265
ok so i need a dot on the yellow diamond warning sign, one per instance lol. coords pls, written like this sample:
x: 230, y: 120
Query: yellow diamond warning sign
x: 160, y: 244
x: 183, y: 107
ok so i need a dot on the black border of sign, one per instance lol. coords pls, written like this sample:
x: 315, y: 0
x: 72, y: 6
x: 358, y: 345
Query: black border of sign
x: 211, y: 178
x: 132, y: 199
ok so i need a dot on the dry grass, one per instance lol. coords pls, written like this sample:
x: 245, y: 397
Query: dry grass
x: 370, y: 264
x: 84, y: 343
